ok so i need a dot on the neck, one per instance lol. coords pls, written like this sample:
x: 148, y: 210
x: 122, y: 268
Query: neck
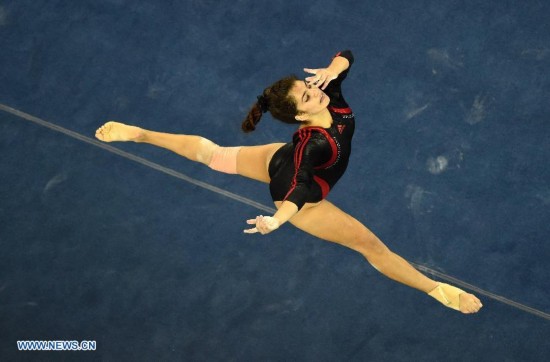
x: 322, y: 119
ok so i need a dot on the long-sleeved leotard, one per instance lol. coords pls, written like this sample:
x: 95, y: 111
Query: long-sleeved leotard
x: 306, y: 169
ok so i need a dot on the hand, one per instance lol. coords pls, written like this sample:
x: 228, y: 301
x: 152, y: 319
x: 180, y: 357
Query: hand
x: 264, y: 225
x: 321, y: 78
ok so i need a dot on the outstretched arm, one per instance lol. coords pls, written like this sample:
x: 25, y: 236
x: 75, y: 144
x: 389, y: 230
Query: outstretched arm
x: 267, y: 224
x: 310, y: 151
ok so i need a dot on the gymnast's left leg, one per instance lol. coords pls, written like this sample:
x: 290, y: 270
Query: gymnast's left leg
x: 194, y: 148
x: 328, y: 222
x: 248, y: 161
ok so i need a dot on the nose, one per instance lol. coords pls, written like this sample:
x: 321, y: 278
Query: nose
x: 313, y: 91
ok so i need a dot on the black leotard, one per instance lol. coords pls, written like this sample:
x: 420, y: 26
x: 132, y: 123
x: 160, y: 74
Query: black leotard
x: 309, y: 167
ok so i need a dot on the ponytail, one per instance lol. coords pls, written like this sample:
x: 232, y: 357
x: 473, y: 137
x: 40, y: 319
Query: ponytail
x: 252, y: 119
x: 277, y: 100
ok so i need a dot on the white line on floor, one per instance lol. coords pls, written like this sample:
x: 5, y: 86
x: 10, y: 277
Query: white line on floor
x: 249, y: 202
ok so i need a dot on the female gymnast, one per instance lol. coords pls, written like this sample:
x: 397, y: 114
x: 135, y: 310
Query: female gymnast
x: 301, y: 173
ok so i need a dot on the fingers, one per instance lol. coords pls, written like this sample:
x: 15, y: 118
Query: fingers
x: 326, y: 82
x: 264, y: 225
x: 252, y: 222
x: 252, y: 230
x: 317, y: 80
x: 313, y: 79
x: 321, y: 77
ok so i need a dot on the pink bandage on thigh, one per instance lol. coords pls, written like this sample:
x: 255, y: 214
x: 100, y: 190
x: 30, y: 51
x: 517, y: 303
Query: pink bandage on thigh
x: 224, y: 159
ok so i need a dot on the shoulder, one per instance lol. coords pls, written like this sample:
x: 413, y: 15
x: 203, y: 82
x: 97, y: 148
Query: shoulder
x: 310, y: 134
x: 312, y: 138
x: 313, y: 144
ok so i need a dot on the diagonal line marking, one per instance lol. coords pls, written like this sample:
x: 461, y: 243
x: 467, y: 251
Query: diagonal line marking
x: 137, y: 159
x: 247, y: 201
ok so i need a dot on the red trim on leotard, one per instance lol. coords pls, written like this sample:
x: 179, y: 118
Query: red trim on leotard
x: 346, y: 110
x: 298, y: 155
x: 333, y: 148
x: 305, y: 135
x: 325, y: 188
x: 330, y: 139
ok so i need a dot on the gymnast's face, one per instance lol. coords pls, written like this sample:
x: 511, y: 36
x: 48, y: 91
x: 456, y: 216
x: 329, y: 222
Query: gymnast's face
x: 310, y: 100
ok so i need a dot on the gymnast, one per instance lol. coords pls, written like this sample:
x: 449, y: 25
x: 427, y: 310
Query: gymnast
x: 301, y: 173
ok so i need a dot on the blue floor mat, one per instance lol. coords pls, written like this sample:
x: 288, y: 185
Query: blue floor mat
x: 449, y: 169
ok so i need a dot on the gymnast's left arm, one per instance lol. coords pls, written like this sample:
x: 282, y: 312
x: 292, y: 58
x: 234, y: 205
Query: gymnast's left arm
x: 323, y: 76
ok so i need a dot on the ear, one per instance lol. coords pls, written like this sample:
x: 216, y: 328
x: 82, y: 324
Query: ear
x: 301, y: 117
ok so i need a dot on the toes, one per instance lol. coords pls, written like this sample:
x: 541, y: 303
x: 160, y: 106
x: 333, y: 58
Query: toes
x: 114, y: 131
x: 102, y: 132
x: 471, y: 304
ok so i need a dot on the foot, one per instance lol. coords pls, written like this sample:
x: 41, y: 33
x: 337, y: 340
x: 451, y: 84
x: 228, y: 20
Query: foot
x: 115, y: 131
x: 456, y: 298
x: 469, y: 303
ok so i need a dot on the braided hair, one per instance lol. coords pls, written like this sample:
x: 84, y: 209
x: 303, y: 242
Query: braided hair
x: 277, y: 100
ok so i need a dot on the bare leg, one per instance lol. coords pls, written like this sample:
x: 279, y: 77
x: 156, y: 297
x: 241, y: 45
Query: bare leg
x: 195, y: 148
x: 252, y: 162
x: 328, y: 222
x: 323, y: 220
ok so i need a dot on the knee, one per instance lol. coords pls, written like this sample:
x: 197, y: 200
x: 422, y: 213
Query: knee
x: 205, y: 150
x: 369, y: 244
x: 223, y: 159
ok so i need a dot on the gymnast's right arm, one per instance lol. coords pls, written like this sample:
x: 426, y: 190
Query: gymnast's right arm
x: 313, y: 152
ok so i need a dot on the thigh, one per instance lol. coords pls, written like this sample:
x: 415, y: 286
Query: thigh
x: 326, y: 221
x: 253, y: 161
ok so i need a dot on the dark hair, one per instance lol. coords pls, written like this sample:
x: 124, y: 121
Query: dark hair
x: 277, y: 100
